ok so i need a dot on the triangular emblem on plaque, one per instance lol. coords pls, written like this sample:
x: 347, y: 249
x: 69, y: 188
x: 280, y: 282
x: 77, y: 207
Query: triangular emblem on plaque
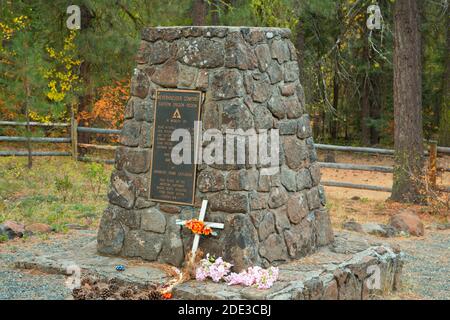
x: 176, y: 114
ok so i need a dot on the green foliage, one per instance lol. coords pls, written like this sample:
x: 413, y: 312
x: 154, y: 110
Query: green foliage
x: 96, y: 177
x: 3, y: 238
x: 63, y: 186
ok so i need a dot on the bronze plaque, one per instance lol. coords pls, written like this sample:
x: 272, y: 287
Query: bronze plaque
x: 170, y: 182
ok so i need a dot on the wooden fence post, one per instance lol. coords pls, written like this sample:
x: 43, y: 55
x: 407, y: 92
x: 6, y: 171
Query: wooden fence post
x: 74, y: 134
x: 432, y: 164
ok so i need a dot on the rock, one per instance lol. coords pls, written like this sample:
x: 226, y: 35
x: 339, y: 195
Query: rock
x: 274, y: 248
x: 140, y: 85
x: 258, y: 200
x: 275, y: 72
x: 277, y: 197
x: 143, y: 244
x: 172, y: 247
x: 241, y: 180
x: 287, y: 126
x: 130, y: 134
x: 313, y: 197
x: 291, y: 242
x: 210, y: 181
x: 142, y: 110
x: 146, y: 137
x: 110, y: 234
x: 153, y: 53
x: 288, y: 90
x: 240, y: 239
x: 295, y: 150
x: 281, y: 220
x: 235, y: 115
x: 227, y: 84
x: 291, y: 71
x: 280, y: 51
x: 276, y: 106
x: 134, y: 160
x: 264, y: 58
x: 170, y: 209
x: 322, y: 227
x: 122, y: 191
x: 378, y: 230
x: 17, y: 228
x: 314, y: 170
x: 238, y: 54
x: 266, y: 226
x: 167, y: 74
x: 352, y: 226
x: 263, y: 118
x: 304, y: 127
x: 187, y: 76
x: 6, y: 233
x: 288, y: 178
x: 153, y: 220
x: 200, y: 52
x: 407, y: 221
x: 297, y: 208
x: 231, y: 202
x: 261, y: 90
x: 293, y: 108
x: 38, y: 228
x: 304, y: 180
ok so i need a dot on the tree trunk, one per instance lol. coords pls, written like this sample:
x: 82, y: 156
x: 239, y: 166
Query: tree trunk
x: 444, y: 114
x: 408, y: 132
x: 215, y: 12
x: 199, y: 13
x: 365, y: 112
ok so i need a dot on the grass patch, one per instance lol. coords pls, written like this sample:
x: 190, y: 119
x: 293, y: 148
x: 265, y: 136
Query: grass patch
x: 56, y: 191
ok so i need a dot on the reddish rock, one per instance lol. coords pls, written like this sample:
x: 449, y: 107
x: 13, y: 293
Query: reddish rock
x: 170, y: 209
x: 409, y: 222
x: 39, y: 228
x: 14, y: 226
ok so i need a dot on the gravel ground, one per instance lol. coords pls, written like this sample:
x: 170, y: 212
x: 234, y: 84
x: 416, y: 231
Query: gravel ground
x: 425, y: 276
x: 426, y: 273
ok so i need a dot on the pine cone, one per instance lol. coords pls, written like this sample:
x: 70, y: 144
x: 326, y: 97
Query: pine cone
x: 154, y: 295
x: 105, y: 293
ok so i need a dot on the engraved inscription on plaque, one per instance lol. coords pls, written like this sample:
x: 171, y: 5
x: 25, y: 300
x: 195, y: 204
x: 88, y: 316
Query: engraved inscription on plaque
x: 173, y: 183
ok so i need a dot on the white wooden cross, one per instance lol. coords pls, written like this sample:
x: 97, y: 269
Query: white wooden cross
x: 201, y: 217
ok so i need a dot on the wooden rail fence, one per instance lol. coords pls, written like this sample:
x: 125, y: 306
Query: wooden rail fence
x: 434, y: 150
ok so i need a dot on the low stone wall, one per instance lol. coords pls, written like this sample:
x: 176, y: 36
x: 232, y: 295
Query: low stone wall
x: 250, y: 80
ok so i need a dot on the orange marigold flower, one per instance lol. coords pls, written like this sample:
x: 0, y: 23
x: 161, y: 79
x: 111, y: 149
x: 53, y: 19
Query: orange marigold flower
x: 167, y: 295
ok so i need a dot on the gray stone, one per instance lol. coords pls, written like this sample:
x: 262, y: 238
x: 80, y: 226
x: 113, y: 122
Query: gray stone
x: 253, y: 36
x: 154, y: 53
x: 134, y: 160
x: 288, y: 178
x: 258, y: 200
x: 322, y: 226
x: 122, y: 191
x: 235, y: 115
x: 143, y: 110
x: 153, y: 220
x: 314, y: 170
x: 313, y: 198
x: 293, y: 108
x: 273, y: 248
x: 241, y: 180
x: 139, y: 85
x: 172, y: 247
x: 304, y: 179
x: 278, y: 197
x: 288, y: 89
x: 296, y: 152
x: 227, y: 84
x: 275, y: 72
x: 281, y: 219
x: 300, y: 94
x: 287, y: 126
x: 291, y: 242
x: 129, y: 108
x: 291, y: 71
x: 264, y: 57
x: 304, y: 127
x: 266, y: 226
x: 261, y: 90
x: 240, y: 242
x: 187, y: 76
x: 146, y: 136
x: 110, y: 235
x: 276, y: 106
x: 200, y: 52
x: 238, y: 54
x: 167, y: 74
x: 231, y: 202
x: 143, y: 244
x: 280, y: 50
x: 210, y: 181
x: 297, y: 208
x: 352, y: 226
x: 130, y: 134
x: 263, y: 118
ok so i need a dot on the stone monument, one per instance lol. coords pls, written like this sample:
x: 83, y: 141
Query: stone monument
x: 229, y: 78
